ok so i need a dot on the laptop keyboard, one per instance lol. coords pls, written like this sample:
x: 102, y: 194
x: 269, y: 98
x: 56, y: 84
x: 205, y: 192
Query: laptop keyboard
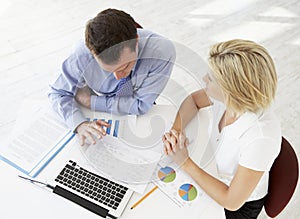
x: 91, y: 185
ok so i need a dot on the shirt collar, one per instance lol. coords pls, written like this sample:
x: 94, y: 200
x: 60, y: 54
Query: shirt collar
x: 246, y: 121
x: 137, y: 58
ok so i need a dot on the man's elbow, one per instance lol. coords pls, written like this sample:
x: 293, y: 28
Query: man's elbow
x: 142, y: 111
x: 142, y: 108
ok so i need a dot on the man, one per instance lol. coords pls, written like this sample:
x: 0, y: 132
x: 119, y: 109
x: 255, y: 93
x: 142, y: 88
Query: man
x: 119, y: 69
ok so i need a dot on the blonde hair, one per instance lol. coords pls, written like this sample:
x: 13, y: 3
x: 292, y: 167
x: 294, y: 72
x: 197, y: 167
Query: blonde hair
x: 246, y: 74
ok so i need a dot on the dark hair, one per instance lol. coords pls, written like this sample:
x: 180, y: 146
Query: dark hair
x: 109, y: 32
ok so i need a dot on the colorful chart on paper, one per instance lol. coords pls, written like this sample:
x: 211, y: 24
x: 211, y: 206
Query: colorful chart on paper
x: 113, y: 129
x: 166, y: 174
x: 187, y: 192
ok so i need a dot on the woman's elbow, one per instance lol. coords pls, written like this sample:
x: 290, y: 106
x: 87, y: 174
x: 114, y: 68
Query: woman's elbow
x: 233, y: 205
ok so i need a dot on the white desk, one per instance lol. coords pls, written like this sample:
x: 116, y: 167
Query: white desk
x: 20, y: 199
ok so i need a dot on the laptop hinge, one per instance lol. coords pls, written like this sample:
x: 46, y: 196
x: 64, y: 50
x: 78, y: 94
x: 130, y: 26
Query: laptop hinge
x: 81, y: 201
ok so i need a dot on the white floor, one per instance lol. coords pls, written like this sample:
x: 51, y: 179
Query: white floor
x: 37, y: 35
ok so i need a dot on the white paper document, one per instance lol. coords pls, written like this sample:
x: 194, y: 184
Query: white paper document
x: 131, y: 152
x: 181, y: 189
x: 121, y: 162
x: 35, y: 140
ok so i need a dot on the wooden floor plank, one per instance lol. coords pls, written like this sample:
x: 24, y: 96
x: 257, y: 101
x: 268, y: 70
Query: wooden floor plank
x: 37, y: 35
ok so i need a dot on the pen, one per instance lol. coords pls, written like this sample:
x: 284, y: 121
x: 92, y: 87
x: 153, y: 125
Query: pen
x: 145, y: 196
x: 36, y: 182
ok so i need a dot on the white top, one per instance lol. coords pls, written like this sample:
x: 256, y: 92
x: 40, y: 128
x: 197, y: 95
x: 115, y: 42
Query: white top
x: 252, y: 141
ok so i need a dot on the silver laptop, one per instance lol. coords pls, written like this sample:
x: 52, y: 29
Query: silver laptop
x: 91, y: 190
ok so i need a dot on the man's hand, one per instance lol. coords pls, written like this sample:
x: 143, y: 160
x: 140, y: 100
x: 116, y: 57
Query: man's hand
x: 89, y: 130
x: 83, y: 96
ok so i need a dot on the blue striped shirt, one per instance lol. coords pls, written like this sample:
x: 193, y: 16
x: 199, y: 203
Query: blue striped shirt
x: 155, y: 60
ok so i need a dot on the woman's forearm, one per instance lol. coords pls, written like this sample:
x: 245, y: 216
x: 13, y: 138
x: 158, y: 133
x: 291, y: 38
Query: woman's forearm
x: 185, y: 114
x: 212, y: 186
x: 230, y: 197
x: 189, y: 109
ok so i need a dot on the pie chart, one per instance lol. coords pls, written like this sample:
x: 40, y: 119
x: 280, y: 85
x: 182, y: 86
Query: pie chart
x: 166, y: 174
x: 187, y: 192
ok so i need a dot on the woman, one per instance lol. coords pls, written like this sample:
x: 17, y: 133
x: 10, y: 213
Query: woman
x: 240, y: 88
